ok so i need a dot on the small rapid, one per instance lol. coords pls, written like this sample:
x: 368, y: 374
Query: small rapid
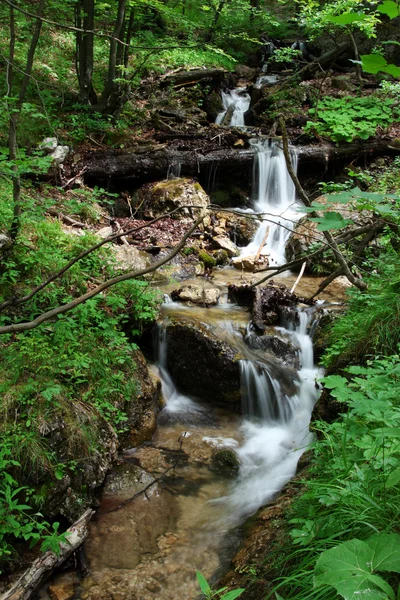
x: 237, y: 102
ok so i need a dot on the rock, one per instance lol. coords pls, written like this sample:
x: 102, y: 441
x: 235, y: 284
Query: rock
x: 225, y: 457
x: 48, y: 145
x: 62, y: 591
x: 165, y: 196
x: 226, y: 244
x: 342, y: 83
x: 282, y: 349
x: 245, y: 72
x: 130, y: 258
x: 202, y: 364
x: 197, y: 294
x: 60, y: 154
x: 105, y: 232
x: 5, y: 241
x: 212, y: 104
x: 240, y: 228
x: 249, y: 263
x: 221, y: 257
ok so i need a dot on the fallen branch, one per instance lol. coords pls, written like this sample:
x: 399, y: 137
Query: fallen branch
x: 59, y: 310
x: 79, y: 174
x: 65, y: 218
x: 300, y: 275
x: 28, y: 585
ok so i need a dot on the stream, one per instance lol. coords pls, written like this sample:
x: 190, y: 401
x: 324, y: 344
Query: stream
x: 189, y: 519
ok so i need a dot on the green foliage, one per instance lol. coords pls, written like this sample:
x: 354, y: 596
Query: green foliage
x: 350, y: 567
x: 345, y: 119
x: 220, y: 594
x: 17, y: 519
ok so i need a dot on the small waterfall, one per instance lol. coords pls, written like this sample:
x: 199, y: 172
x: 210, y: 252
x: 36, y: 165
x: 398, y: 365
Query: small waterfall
x: 274, y: 193
x: 177, y: 405
x: 273, y: 442
x: 262, y: 396
x: 240, y: 101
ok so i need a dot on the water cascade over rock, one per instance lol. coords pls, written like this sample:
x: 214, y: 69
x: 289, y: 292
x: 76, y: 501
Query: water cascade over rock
x: 236, y: 103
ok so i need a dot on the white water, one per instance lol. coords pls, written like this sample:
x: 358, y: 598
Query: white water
x: 274, y: 196
x: 240, y: 100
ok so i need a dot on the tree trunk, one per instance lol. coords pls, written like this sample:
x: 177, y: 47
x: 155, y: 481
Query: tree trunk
x: 214, y: 24
x: 112, y: 89
x: 85, y: 49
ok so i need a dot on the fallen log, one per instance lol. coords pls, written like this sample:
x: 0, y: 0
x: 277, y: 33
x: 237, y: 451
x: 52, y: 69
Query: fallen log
x: 193, y: 77
x: 130, y: 169
x: 28, y: 585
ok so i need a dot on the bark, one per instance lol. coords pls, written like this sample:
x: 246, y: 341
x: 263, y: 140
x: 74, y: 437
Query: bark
x: 214, y: 24
x: 85, y: 48
x: 194, y: 76
x: 28, y: 585
x: 111, y: 90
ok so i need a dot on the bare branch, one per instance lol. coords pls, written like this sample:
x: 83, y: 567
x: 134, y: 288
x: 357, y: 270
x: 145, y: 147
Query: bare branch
x: 59, y: 310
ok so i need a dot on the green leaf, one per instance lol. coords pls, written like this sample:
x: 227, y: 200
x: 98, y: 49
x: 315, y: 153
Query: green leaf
x: 347, y: 18
x: 392, y: 70
x: 389, y: 8
x: 233, y: 594
x: 372, y: 63
x: 349, y: 568
x: 205, y: 588
x: 331, y: 220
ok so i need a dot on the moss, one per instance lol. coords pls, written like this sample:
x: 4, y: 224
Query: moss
x: 221, y: 257
x: 226, y: 458
x: 207, y: 259
x: 188, y: 250
x: 220, y: 197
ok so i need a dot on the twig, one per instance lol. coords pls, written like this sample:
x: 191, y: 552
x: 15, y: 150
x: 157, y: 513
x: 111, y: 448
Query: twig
x: 74, y: 178
x: 143, y: 491
x: 68, y: 220
x: 303, y: 266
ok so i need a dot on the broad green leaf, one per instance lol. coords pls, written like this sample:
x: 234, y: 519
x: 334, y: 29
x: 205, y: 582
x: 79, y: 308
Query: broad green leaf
x: 389, y: 8
x: 348, y: 569
x: 372, y: 63
x: 386, y: 552
x: 205, y: 588
x: 392, y: 70
x: 331, y: 220
x: 347, y: 18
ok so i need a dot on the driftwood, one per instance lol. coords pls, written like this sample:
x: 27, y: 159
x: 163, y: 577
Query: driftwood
x: 193, y: 77
x: 228, y: 115
x: 27, y: 586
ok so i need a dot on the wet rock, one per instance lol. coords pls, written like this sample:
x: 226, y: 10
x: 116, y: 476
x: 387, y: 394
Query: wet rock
x: 127, y: 479
x: 225, y: 244
x: 202, y: 364
x: 62, y: 591
x: 165, y: 196
x: 241, y: 229
x: 281, y: 349
x: 250, y: 263
x: 197, y: 294
x: 245, y: 72
x: 212, y: 104
x: 221, y: 257
x: 226, y: 458
x: 143, y: 408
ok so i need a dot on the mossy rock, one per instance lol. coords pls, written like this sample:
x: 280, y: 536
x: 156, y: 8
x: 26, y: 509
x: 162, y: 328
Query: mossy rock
x: 221, y: 257
x: 227, y: 458
x: 208, y: 260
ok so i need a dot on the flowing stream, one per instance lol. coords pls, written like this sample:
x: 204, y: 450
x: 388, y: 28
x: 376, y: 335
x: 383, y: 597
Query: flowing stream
x: 238, y: 101
x: 151, y: 548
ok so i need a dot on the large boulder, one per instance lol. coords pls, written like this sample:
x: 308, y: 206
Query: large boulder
x: 164, y: 196
x: 240, y: 228
x: 202, y: 364
x: 197, y: 294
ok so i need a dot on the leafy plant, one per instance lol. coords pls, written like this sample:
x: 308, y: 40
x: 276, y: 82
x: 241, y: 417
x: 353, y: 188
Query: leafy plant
x: 347, y: 118
x: 220, y: 594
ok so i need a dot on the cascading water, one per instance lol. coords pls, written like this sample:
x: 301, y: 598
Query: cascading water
x: 239, y: 100
x: 276, y: 429
x: 275, y: 195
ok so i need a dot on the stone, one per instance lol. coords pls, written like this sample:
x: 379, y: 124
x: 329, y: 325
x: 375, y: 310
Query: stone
x: 49, y: 144
x: 283, y: 349
x: 60, y: 154
x: 249, y: 263
x: 62, y: 591
x: 197, y: 294
x: 203, y: 364
x: 245, y: 72
x: 241, y: 229
x: 221, y: 257
x: 227, y: 458
x: 105, y: 232
x: 164, y: 196
x: 226, y: 244
x: 130, y: 258
x: 5, y: 240
x: 212, y: 104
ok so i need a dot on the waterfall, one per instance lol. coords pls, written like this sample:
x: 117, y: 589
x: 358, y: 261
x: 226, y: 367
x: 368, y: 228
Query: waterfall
x: 276, y: 431
x: 240, y: 101
x: 274, y: 194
